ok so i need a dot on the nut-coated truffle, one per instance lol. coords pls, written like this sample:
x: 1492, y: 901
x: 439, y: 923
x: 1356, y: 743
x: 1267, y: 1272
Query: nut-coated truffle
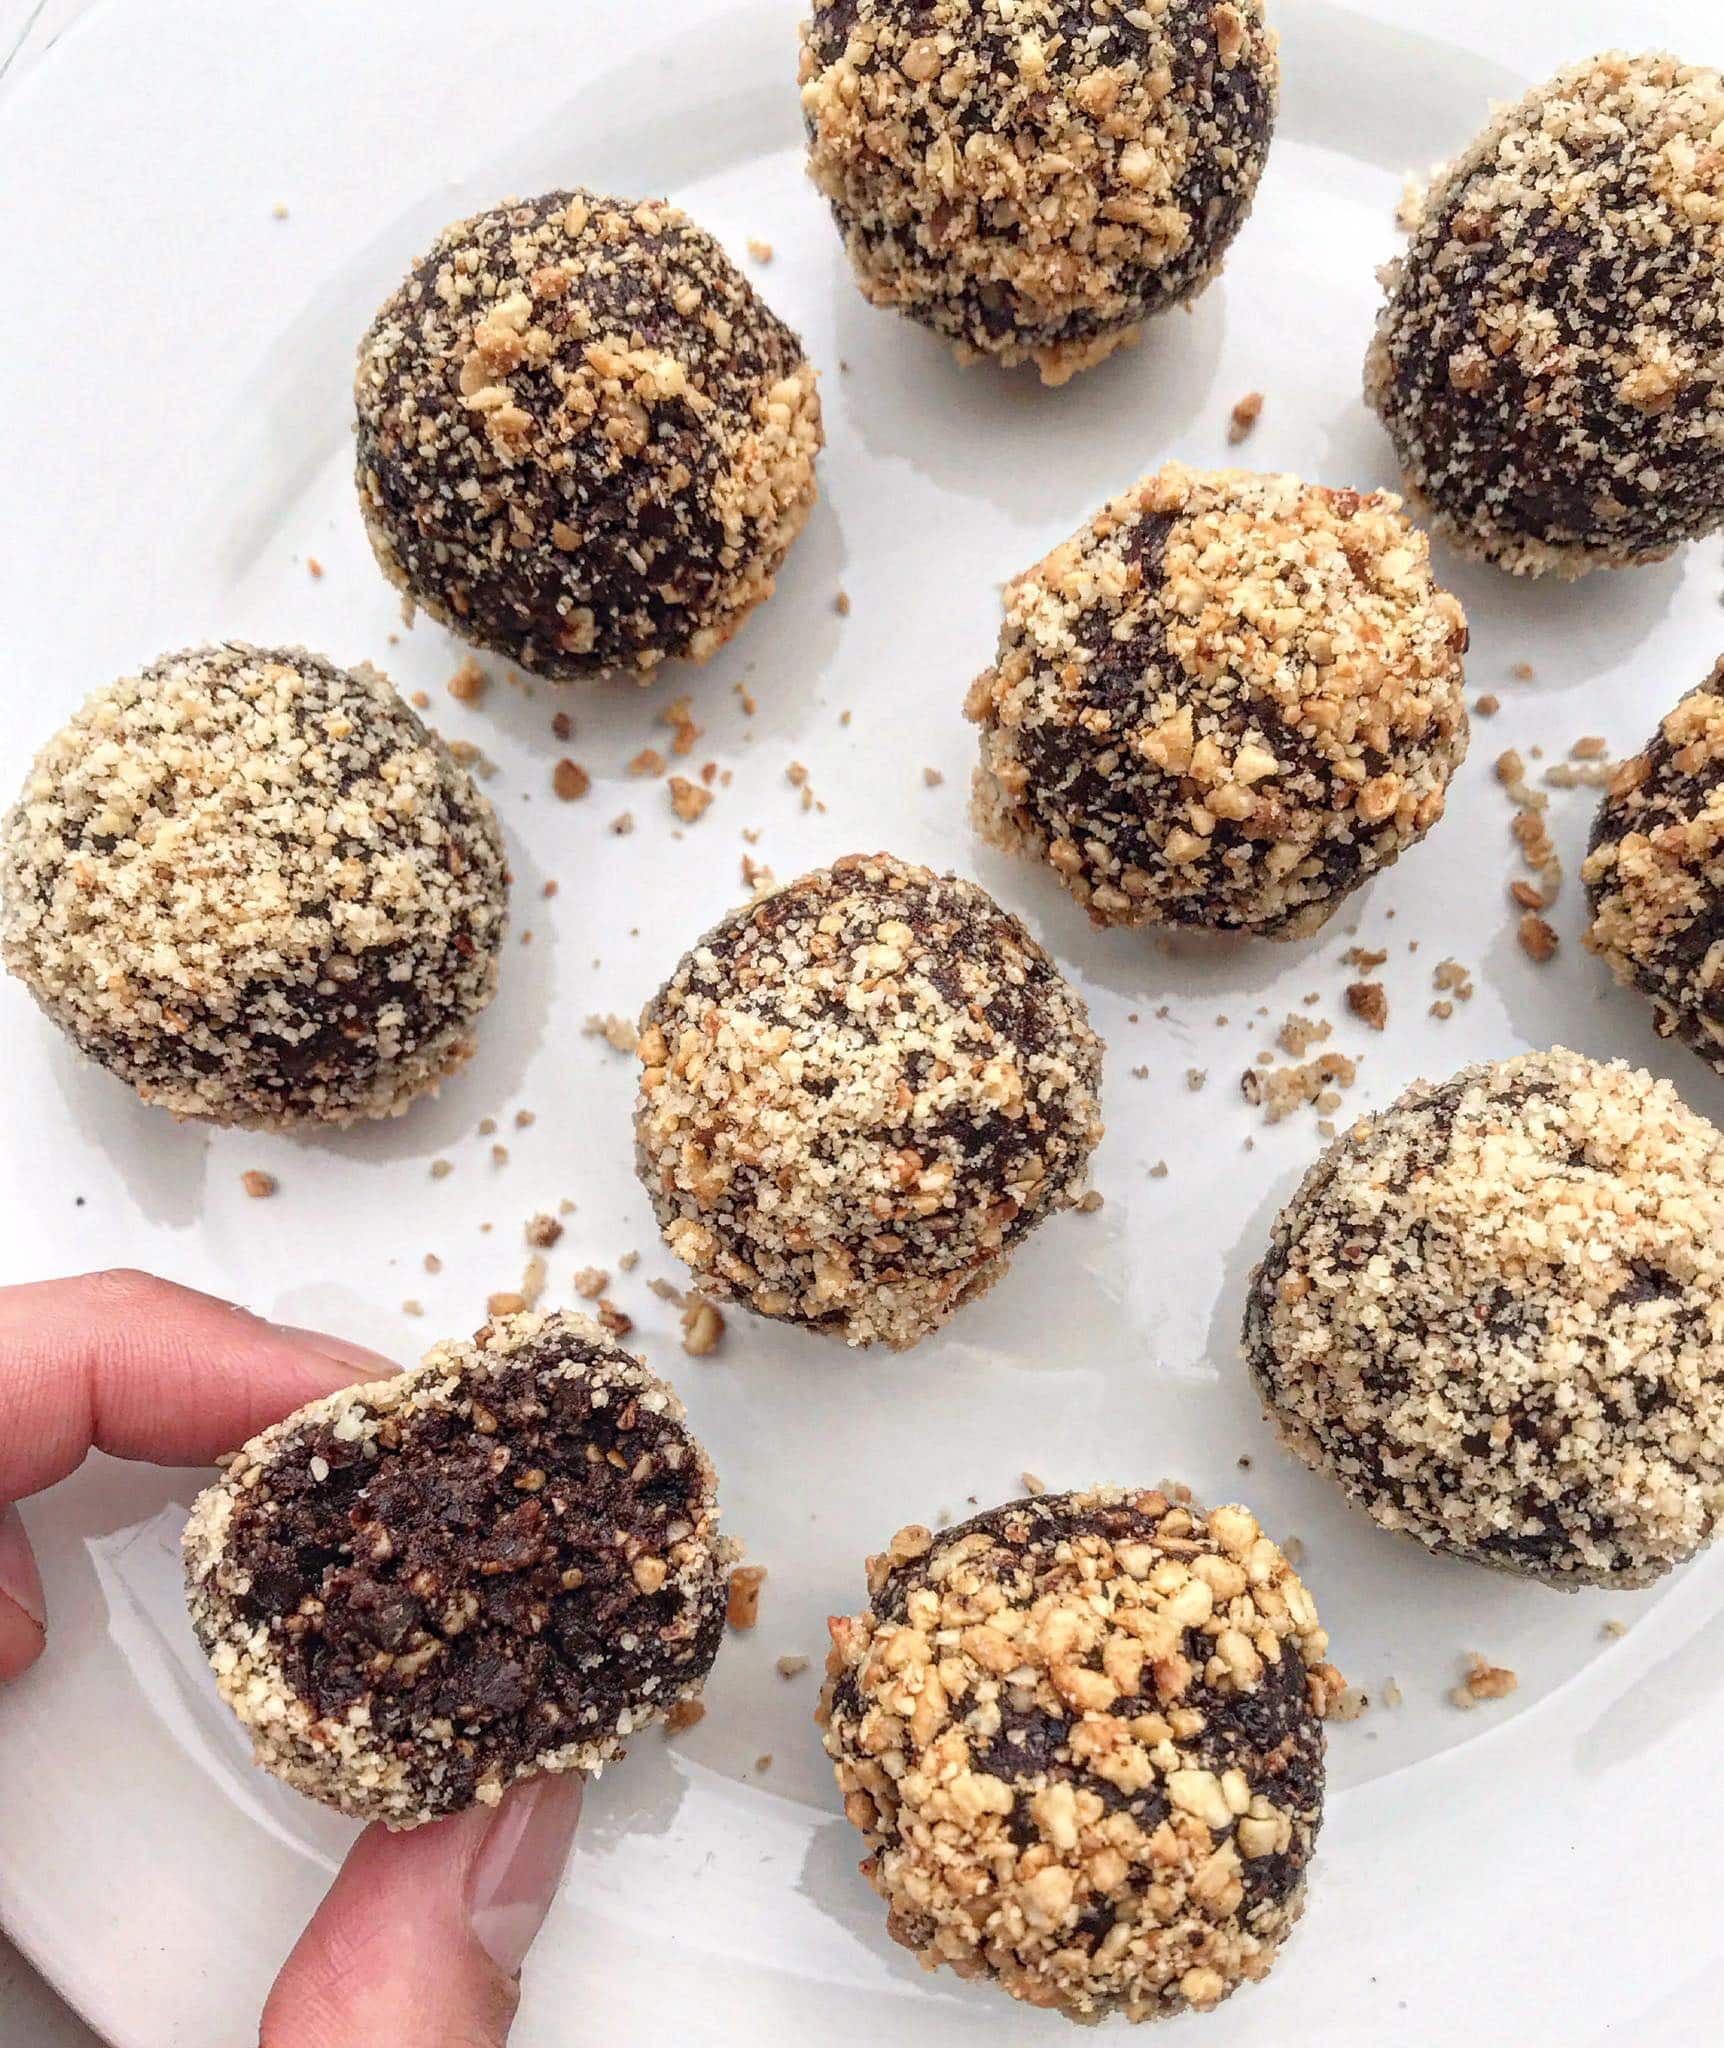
x: 584, y: 441
x: 1033, y: 179
x: 1655, y: 873
x: 1083, y: 1737
x: 1549, y: 360
x: 1225, y: 702
x: 257, y: 888
x: 859, y: 1094
x: 1495, y: 1315
x: 506, y: 1561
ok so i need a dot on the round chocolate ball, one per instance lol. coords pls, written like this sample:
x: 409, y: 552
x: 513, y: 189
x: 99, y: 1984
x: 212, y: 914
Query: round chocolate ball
x: 506, y: 1561
x: 1549, y: 360
x: 1083, y: 1737
x: 584, y: 442
x: 1495, y: 1315
x: 257, y: 888
x: 1655, y: 873
x: 1225, y: 702
x: 1035, y: 181
x: 860, y: 1094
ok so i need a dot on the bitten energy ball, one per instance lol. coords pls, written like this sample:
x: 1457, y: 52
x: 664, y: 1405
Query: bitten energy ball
x: 1226, y: 702
x: 1034, y: 178
x: 505, y: 1561
x: 1549, y: 361
x: 1495, y: 1314
x: 256, y: 887
x: 1655, y: 874
x: 1082, y: 1735
x: 583, y: 441
x: 860, y: 1094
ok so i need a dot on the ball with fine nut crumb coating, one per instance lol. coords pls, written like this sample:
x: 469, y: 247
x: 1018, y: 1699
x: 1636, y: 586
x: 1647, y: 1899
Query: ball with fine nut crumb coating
x: 1083, y: 1737
x: 1654, y: 872
x: 1225, y: 702
x: 1032, y: 179
x: 257, y: 888
x: 1494, y: 1313
x: 503, y: 1562
x: 585, y: 442
x: 1549, y: 359
x: 860, y: 1093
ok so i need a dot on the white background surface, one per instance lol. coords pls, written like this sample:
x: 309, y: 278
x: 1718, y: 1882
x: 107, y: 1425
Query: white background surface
x: 175, y: 417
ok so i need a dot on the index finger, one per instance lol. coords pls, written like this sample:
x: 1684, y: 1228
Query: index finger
x: 126, y: 1363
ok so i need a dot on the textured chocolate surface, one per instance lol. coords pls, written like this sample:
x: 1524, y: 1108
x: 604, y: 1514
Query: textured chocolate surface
x: 1495, y: 1314
x: 584, y: 440
x: 1034, y: 178
x: 1082, y: 1734
x: 1548, y: 358
x: 256, y: 887
x: 505, y: 1562
x: 859, y: 1094
x: 1655, y: 872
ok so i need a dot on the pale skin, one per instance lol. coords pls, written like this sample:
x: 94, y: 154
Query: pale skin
x: 420, y: 1939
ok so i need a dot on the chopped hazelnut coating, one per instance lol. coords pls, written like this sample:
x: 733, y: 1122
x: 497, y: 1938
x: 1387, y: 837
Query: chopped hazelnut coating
x: 1494, y: 1313
x: 257, y: 888
x: 1224, y: 702
x: 1083, y: 1737
x: 1548, y: 360
x: 502, y: 1562
x: 1655, y: 874
x: 860, y: 1092
x: 584, y: 441
x: 1032, y: 179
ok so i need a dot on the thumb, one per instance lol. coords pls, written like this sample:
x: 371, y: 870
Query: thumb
x: 421, y: 1937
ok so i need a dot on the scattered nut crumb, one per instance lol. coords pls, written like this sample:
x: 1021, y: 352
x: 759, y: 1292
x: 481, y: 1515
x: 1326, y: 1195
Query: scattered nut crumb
x: 278, y: 211
x: 1090, y: 1202
x: 792, y: 1667
x: 932, y: 777
x: 467, y: 684
x: 433, y: 1264
x: 591, y: 1282
x: 1484, y: 1681
x: 623, y: 824
x: 1523, y: 672
x: 1538, y: 939
x: 441, y: 1168
x: 1614, y: 1628
x: 756, y: 874
x: 702, y: 1328
x: 742, y: 1603
x: 1031, y: 1484
x: 258, y: 1185
x: 1487, y: 705
x: 629, y: 1261
x: 314, y: 565
x: 1369, y: 1003
x: 412, y: 1308
x: 1391, y: 1694
x: 617, y: 1032
x: 688, y: 799
x: 1195, y: 1078
x: 685, y: 1714
x: 613, y: 1319
x: 841, y: 604
x: 570, y: 780
x: 543, y: 1232
x: 1298, y: 1034
x: 1244, y: 416
x: 759, y: 250
x: 533, y: 1280
x: 649, y: 761
x: 507, y: 1303
x: 562, y: 726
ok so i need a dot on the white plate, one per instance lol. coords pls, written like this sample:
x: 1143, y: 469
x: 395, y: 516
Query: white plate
x: 177, y: 367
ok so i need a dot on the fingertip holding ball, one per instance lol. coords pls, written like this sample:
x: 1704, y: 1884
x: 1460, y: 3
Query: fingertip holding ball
x: 503, y: 1562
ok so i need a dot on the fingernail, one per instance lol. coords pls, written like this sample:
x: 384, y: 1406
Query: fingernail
x: 19, y: 1580
x: 517, y: 1872
x: 359, y: 1357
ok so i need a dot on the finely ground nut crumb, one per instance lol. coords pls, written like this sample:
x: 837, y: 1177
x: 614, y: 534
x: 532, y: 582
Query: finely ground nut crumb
x: 1548, y: 361
x: 1225, y: 702
x: 584, y: 441
x: 1082, y: 1735
x: 1655, y: 874
x: 1494, y: 1314
x: 257, y: 888
x: 1030, y: 180
x: 859, y: 1093
x: 504, y: 1561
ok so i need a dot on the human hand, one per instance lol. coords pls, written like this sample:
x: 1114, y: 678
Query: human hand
x: 420, y: 1940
